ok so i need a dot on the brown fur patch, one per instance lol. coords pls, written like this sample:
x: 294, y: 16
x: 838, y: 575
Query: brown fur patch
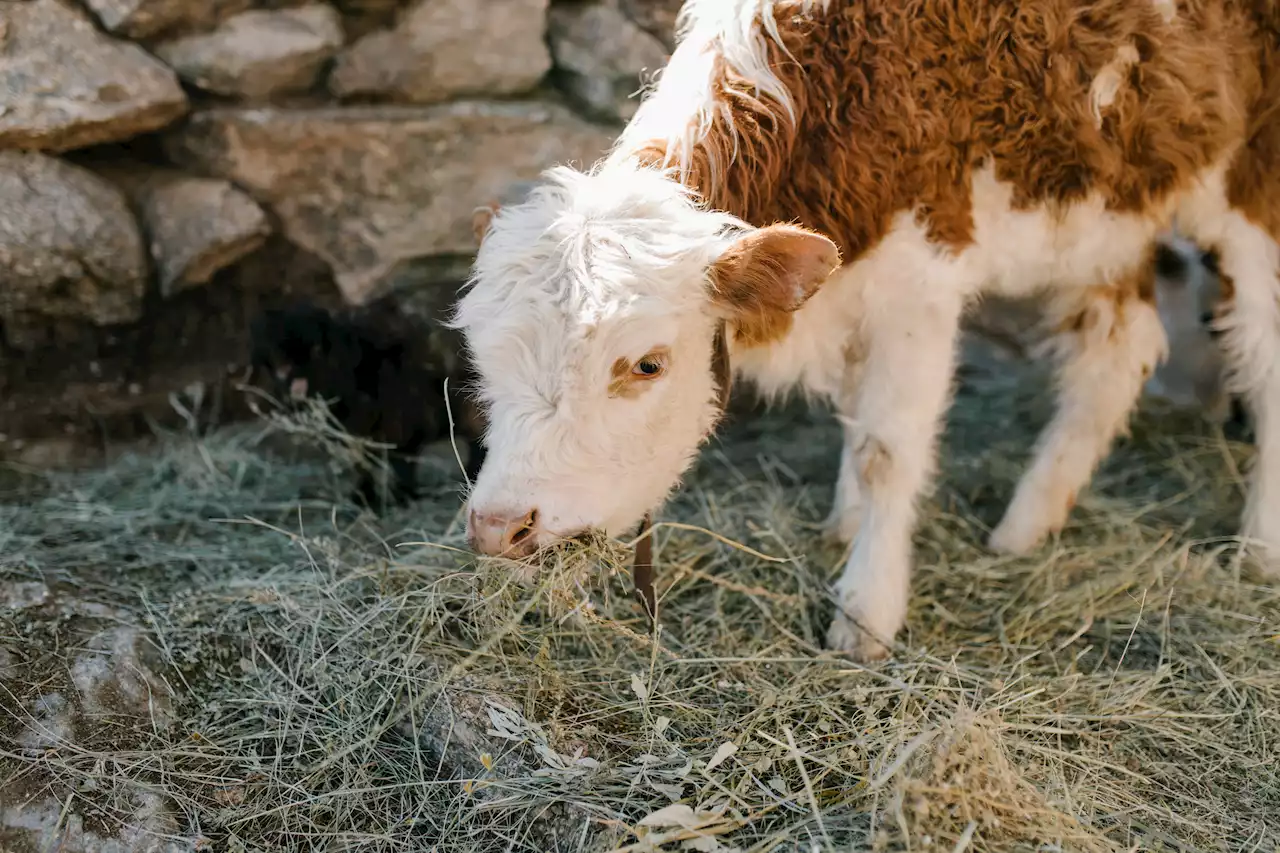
x: 1254, y: 178
x: 899, y: 101
x: 767, y: 275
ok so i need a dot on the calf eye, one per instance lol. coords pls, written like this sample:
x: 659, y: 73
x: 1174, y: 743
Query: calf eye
x: 650, y: 367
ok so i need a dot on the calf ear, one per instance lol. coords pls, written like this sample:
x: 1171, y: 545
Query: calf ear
x: 480, y: 219
x: 769, y: 273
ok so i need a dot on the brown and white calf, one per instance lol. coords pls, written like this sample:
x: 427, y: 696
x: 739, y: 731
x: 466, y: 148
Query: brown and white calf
x: 947, y: 148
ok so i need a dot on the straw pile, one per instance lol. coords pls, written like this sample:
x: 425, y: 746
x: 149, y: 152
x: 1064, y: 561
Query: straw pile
x: 347, y: 683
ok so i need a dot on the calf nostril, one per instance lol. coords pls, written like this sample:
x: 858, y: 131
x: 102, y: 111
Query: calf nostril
x: 521, y: 532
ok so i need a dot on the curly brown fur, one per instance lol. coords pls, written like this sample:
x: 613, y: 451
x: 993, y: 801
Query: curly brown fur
x: 930, y: 89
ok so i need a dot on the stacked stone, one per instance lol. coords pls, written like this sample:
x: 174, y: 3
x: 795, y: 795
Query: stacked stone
x: 152, y: 148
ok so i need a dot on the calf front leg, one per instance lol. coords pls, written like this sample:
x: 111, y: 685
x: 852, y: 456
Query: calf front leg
x: 891, y: 417
x: 1111, y: 341
x: 841, y: 526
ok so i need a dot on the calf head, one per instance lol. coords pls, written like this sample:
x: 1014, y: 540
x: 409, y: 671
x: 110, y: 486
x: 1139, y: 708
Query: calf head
x: 591, y: 318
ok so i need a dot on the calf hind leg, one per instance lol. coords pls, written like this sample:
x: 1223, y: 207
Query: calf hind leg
x: 1250, y: 261
x: 1111, y: 342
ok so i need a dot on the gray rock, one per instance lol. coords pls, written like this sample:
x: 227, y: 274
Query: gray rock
x: 50, y: 724
x: 447, y: 48
x: 21, y: 595
x: 139, y: 19
x: 66, y: 85
x: 149, y: 826
x: 376, y: 190
x: 260, y: 54
x: 361, y: 17
x: 116, y: 674
x: 601, y: 56
x: 656, y: 17
x: 69, y: 245
x: 194, y: 226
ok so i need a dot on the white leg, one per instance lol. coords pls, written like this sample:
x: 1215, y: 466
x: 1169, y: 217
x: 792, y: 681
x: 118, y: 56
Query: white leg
x: 846, y: 509
x: 1250, y: 260
x: 845, y: 517
x: 1112, y: 343
x: 911, y: 328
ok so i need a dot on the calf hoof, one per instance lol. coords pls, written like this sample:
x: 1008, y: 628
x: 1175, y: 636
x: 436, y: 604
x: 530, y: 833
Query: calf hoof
x: 1014, y: 537
x: 846, y: 635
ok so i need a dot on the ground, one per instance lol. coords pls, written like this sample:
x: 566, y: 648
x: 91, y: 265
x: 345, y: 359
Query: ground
x: 203, y: 646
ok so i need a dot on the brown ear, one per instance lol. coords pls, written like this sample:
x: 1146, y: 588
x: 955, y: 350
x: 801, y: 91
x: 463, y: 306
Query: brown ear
x: 480, y: 219
x: 765, y: 276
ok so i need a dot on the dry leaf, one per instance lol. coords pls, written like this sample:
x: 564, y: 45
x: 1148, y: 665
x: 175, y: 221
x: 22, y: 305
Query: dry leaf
x: 232, y: 796
x: 671, y: 792
x: 726, y: 751
x: 676, y: 814
x: 681, y: 815
x: 637, y: 686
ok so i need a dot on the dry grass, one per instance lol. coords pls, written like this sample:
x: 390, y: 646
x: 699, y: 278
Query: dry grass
x: 1118, y: 691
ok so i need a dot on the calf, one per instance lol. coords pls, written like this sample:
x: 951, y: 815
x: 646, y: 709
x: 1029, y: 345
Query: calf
x: 378, y: 383
x: 932, y: 152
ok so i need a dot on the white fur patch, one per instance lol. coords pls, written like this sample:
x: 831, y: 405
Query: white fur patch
x: 1251, y: 340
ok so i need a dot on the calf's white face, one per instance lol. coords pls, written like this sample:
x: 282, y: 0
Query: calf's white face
x: 590, y: 317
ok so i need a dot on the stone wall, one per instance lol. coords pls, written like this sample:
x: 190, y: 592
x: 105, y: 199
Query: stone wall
x: 167, y: 167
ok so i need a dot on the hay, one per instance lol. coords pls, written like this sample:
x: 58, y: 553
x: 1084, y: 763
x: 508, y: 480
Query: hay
x: 1119, y: 690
